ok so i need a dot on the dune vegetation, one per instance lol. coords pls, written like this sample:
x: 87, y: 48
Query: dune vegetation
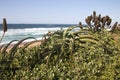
x: 76, y: 53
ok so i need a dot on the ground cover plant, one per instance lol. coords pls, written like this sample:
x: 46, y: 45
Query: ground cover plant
x: 71, y: 54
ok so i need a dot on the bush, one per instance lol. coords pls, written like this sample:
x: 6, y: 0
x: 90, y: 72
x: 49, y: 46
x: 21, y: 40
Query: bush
x: 66, y: 54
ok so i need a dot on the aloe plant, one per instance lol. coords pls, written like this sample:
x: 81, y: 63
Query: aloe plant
x: 66, y: 41
x: 97, y: 23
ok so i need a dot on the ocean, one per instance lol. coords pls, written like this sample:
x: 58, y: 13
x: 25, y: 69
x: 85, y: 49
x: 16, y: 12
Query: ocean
x: 21, y: 31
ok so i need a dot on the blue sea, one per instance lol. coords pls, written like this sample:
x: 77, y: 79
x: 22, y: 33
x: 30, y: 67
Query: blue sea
x: 20, y: 31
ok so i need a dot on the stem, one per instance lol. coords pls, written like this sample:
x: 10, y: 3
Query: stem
x: 2, y: 37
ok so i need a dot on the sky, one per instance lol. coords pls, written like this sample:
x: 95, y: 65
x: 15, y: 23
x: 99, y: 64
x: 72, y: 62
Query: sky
x: 56, y: 11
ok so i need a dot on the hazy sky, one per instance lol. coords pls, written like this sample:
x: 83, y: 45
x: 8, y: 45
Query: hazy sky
x: 56, y: 11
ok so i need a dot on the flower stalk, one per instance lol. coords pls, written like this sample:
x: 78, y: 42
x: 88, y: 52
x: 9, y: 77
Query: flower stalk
x: 4, y: 28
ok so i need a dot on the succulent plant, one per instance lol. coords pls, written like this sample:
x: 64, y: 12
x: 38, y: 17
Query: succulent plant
x: 80, y: 25
x: 107, y: 18
x: 114, y: 26
x: 97, y: 23
x: 109, y: 22
x: 94, y: 13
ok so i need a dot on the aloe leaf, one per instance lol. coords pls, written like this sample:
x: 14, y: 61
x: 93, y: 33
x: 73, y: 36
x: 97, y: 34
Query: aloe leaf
x: 1, y: 47
x: 67, y: 31
x: 7, y: 45
x: 28, y: 44
x: 88, y: 36
x: 89, y: 40
x: 13, y: 49
x: 57, y: 35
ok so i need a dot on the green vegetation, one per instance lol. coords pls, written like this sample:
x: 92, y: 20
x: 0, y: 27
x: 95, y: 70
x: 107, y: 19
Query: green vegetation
x: 71, y: 54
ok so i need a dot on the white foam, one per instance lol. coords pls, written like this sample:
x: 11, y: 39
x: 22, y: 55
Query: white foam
x: 29, y: 31
x: 18, y: 34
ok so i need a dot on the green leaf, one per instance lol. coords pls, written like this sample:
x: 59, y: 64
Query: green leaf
x: 7, y: 45
x: 13, y: 49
